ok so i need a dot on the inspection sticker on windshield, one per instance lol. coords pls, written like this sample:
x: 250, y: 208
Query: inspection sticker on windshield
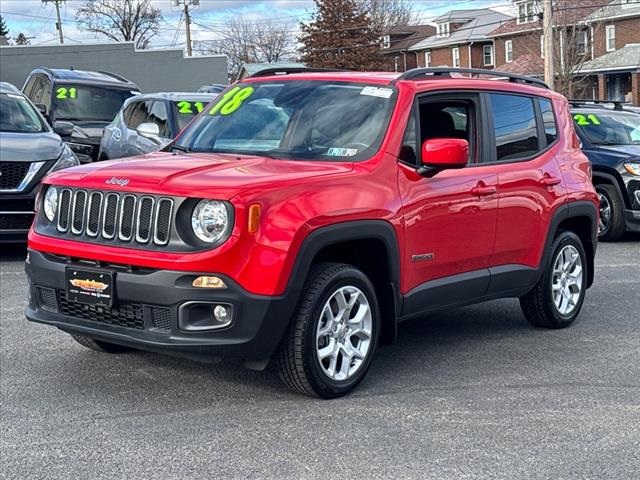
x: 342, y: 152
x: 377, y: 92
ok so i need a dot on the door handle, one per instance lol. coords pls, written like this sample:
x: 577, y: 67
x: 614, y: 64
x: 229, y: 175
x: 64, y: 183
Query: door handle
x: 481, y: 190
x: 549, y: 180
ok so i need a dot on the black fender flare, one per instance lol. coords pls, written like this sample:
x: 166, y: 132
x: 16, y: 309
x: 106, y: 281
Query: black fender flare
x: 616, y: 184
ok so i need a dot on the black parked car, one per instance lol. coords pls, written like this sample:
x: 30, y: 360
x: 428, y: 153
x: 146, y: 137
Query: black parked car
x: 611, y: 140
x: 89, y: 100
x: 29, y: 149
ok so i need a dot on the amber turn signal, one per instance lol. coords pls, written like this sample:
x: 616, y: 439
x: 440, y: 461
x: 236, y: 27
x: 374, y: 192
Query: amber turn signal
x: 209, y: 282
x: 254, y: 218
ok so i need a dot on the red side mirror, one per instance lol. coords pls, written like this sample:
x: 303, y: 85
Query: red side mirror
x: 444, y: 153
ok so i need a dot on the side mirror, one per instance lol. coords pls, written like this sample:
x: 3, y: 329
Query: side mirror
x: 42, y: 108
x: 150, y: 131
x: 64, y: 129
x: 443, y: 153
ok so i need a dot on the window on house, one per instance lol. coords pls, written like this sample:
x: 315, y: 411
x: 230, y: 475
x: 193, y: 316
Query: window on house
x: 455, y: 56
x: 508, y: 51
x: 526, y: 12
x: 610, y: 35
x: 427, y: 58
x: 386, y: 41
x: 541, y: 46
x: 581, y: 42
x: 487, y: 51
x: 443, y: 30
x: 514, y: 122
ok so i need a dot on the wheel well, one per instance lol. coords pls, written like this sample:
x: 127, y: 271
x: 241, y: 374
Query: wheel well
x: 582, y: 227
x: 609, y: 180
x: 372, y: 258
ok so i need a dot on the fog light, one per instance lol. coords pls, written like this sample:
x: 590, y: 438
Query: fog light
x: 209, y: 282
x: 199, y: 316
x: 221, y: 313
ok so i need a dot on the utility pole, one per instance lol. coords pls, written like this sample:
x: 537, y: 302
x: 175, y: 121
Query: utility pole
x: 187, y: 19
x: 59, y: 22
x: 549, y: 65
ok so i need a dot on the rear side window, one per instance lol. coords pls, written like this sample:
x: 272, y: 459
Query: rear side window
x: 550, y: 129
x: 514, y: 123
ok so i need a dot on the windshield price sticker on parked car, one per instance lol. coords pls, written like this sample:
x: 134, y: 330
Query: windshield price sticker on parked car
x: 64, y: 93
x: 585, y: 120
x: 187, y: 108
x: 377, y: 92
x: 231, y: 101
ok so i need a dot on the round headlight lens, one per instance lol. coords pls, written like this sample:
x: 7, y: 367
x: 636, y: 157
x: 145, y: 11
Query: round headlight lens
x: 210, y: 220
x: 51, y: 203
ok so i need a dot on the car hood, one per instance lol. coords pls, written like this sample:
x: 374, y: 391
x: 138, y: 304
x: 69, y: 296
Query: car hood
x: 212, y: 175
x: 89, y: 133
x: 29, y: 147
x: 624, y: 149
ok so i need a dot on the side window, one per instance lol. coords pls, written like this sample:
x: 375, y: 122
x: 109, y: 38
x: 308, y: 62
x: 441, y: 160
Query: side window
x: 514, y: 122
x: 127, y: 112
x: 549, y: 120
x: 139, y: 114
x: 38, y: 90
x: 158, y: 115
x: 448, y: 119
x: 29, y: 85
x: 409, y: 149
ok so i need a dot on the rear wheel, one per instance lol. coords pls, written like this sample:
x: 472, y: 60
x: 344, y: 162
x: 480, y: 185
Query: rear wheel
x: 611, y: 225
x: 332, y: 339
x: 99, y: 345
x: 556, y: 300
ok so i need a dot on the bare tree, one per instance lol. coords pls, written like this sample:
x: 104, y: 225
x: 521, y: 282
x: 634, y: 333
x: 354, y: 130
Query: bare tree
x: 121, y: 20
x: 22, y: 39
x: 244, y: 41
x: 384, y: 14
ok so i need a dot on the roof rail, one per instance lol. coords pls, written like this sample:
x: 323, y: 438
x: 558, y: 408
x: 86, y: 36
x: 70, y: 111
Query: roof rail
x: 617, y: 104
x: 46, y: 69
x: 421, y: 73
x: 115, y: 75
x: 288, y: 70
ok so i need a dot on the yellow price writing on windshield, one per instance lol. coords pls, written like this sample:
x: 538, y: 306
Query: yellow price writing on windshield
x: 64, y: 93
x: 231, y: 101
x: 186, y: 108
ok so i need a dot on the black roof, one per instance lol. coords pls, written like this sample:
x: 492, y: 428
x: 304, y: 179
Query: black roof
x: 87, y: 77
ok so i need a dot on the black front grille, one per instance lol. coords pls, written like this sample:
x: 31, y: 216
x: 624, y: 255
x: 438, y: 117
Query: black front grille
x: 161, y: 318
x: 20, y: 221
x: 12, y: 174
x: 115, y: 217
x: 129, y: 315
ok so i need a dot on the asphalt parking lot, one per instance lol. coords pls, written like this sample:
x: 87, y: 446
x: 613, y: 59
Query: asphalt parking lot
x: 471, y: 393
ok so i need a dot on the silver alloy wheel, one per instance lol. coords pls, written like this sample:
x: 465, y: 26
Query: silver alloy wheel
x: 343, y: 337
x: 605, y: 213
x: 566, y: 284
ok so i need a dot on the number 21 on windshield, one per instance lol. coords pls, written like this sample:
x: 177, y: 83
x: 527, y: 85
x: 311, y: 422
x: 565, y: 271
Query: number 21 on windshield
x: 64, y: 93
x: 231, y: 101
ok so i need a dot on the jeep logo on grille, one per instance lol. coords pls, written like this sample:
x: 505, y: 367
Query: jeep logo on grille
x: 121, y: 182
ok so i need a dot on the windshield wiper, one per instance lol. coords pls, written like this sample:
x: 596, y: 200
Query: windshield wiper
x: 180, y: 148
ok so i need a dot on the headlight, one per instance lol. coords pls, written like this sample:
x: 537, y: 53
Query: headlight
x: 210, y: 220
x: 633, y: 168
x: 51, y: 203
x: 67, y: 159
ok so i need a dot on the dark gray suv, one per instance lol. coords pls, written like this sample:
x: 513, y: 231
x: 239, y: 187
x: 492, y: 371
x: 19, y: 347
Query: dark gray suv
x: 29, y: 149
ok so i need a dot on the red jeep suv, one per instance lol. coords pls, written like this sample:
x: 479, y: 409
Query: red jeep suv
x: 303, y: 215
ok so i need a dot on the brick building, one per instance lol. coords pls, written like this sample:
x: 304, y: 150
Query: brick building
x: 460, y: 40
x: 396, y: 43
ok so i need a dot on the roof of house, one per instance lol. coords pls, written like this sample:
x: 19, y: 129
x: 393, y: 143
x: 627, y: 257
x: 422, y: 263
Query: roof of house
x: 411, y: 34
x: 615, y: 10
x: 565, y: 12
x: 626, y: 58
x: 476, y: 26
x: 527, y: 64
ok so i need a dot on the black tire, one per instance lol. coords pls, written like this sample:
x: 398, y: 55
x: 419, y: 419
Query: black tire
x: 615, y: 227
x: 298, y: 362
x: 538, y: 305
x: 99, y: 345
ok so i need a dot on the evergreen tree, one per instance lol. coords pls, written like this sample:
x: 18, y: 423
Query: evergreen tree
x: 4, y: 30
x: 340, y: 36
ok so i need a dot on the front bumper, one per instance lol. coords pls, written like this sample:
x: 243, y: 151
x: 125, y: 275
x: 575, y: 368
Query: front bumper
x: 146, y: 313
x: 16, y: 217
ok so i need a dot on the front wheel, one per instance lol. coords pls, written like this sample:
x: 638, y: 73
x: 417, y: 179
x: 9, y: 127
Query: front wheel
x: 333, y: 336
x: 611, y: 224
x: 557, y: 298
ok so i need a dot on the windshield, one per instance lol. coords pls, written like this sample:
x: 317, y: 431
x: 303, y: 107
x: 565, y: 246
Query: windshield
x: 18, y: 115
x: 609, y: 128
x: 185, y: 110
x: 88, y: 103
x: 301, y: 120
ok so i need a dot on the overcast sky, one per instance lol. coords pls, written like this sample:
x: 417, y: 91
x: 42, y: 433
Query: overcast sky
x: 37, y: 19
